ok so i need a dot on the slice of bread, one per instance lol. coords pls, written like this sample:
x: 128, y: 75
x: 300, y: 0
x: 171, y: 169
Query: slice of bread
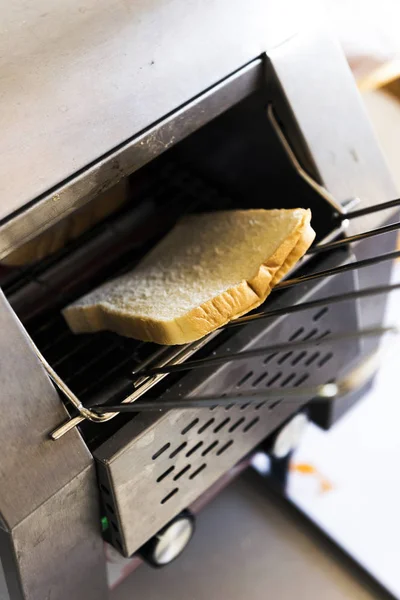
x: 209, y: 269
x: 71, y: 227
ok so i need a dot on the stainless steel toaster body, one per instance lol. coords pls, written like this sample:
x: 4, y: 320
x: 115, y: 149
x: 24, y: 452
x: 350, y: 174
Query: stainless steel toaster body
x: 189, y: 127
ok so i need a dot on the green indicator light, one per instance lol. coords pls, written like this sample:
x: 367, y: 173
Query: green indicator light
x: 104, y: 523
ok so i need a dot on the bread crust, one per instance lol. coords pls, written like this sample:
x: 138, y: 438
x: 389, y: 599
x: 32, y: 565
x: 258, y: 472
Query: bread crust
x: 216, y: 312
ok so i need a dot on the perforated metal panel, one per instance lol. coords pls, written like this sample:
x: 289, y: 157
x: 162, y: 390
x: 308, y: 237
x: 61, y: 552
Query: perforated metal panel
x: 156, y: 466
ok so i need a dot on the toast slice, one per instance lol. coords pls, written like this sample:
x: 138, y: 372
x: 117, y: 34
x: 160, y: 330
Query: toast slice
x: 211, y: 268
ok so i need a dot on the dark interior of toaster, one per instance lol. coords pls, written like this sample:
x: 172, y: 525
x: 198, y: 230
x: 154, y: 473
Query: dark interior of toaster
x: 235, y: 161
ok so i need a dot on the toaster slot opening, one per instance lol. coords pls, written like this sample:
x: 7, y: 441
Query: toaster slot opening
x: 235, y: 161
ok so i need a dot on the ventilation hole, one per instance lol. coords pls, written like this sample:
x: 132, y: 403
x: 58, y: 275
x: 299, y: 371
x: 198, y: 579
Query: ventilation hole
x: 229, y: 406
x: 206, y: 425
x: 216, y: 405
x: 269, y: 358
x: 301, y: 380
x: 324, y: 335
x: 114, y: 526
x: 274, y: 379
x: 190, y: 426
x: 182, y: 472
x: 222, y: 424
x: 320, y: 313
x: 236, y: 425
x: 110, y: 508
x: 251, y: 424
x: 258, y: 406
x: 224, y: 447
x: 197, y: 471
x: 325, y: 359
x: 310, y: 334
x: 165, y: 474
x: 160, y: 451
x: 245, y: 378
x: 312, y: 358
x: 284, y: 357
x: 296, y: 334
x: 178, y: 449
x: 169, y: 496
x: 209, y: 448
x: 104, y: 489
x: 259, y: 379
x: 243, y: 406
x: 288, y: 379
x: 274, y: 404
x: 298, y: 358
x: 193, y: 450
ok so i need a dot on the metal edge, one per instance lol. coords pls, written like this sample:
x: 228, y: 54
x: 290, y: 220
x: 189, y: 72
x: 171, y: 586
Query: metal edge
x: 129, y: 157
x: 49, y: 492
x: 57, y: 550
x: 345, y: 158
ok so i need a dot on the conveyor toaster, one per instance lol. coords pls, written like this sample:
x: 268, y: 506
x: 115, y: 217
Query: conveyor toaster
x: 250, y: 121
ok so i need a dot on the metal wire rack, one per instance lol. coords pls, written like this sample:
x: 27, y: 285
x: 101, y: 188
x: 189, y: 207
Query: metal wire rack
x: 147, y: 375
x: 148, y: 364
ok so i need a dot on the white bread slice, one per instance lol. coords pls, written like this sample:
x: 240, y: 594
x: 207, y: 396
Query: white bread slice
x: 209, y: 269
x: 71, y: 227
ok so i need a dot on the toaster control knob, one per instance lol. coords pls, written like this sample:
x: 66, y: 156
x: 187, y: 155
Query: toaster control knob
x: 168, y: 543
